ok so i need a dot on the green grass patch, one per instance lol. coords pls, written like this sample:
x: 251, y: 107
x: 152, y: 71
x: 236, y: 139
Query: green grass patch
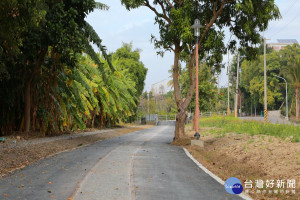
x: 230, y: 124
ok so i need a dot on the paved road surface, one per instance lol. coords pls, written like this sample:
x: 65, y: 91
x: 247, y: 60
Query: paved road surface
x: 141, y: 165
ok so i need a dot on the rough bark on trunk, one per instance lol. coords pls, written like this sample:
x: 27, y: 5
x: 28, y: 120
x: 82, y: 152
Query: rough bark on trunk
x: 93, y: 119
x: 101, y: 115
x: 180, y: 125
x: 27, y: 96
x: 182, y: 104
x: 297, y: 103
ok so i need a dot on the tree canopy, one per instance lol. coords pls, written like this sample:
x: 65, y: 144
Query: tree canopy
x: 284, y: 63
x: 129, y: 60
x: 244, y: 19
x: 52, y: 79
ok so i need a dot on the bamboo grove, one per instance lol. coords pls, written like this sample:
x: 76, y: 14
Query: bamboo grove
x: 51, y: 78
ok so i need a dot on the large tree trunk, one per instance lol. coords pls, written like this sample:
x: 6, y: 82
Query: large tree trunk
x: 101, y: 115
x: 180, y: 125
x: 182, y: 103
x: 297, y: 102
x: 27, y: 96
x: 27, y: 106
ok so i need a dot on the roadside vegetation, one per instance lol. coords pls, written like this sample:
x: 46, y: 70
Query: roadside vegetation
x: 283, y: 63
x: 175, y: 34
x: 248, y: 150
x: 51, y: 78
x: 230, y: 124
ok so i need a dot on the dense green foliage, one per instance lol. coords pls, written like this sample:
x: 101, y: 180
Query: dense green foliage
x: 290, y: 62
x: 284, y: 63
x: 47, y: 84
x: 129, y: 60
x: 244, y: 19
x: 208, y: 92
x: 86, y: 100
x: 252, y: 80
x: 230, y: 124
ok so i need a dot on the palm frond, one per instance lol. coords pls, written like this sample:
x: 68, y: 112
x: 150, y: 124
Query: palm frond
x: 93, y: 36
x: 101, y: 6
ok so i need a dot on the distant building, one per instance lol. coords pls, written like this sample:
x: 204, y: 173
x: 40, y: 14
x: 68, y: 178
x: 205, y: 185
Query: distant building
x: 282, y: 43
x: 160, y: 88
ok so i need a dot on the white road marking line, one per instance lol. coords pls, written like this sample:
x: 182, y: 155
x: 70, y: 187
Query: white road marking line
x: 211, y: 174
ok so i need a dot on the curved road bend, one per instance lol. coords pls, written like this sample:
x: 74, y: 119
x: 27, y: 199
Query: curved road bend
x: 141, y: 165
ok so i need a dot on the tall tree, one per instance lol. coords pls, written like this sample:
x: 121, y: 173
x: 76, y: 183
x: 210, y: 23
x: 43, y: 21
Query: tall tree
x: 48, y: 35
x: 16, y: 17
x: 62, y: 32
x: 244, y: 19
x: 129, y: 60
x: 290, y: 58
x: 252, y: 80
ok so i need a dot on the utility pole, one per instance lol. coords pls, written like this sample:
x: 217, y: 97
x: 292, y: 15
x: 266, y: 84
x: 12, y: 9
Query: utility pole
x: 237, y: 87
x: 265, y: 82
x: 228, y: 93
x: 219, y: 84
x: 148, y: 106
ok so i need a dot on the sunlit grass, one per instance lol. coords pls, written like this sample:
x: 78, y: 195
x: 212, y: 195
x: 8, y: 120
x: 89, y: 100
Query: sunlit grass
x: 230, y: 124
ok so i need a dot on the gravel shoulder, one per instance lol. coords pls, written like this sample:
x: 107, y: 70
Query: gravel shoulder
x: 19, y: 151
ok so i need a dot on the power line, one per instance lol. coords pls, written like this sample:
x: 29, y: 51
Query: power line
x: 286, y: 25
x: 286, y: 11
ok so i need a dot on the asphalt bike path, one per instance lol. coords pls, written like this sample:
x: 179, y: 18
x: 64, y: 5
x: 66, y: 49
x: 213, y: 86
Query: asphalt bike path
x: 141, y: 165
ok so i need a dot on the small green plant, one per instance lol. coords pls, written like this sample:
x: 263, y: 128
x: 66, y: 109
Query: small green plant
x: 296, y: 139
x: 230, y: 124
x: 245, y: 148
x: 250, y: 141
x: 298, y: 162
x: 270, y: 139
x: 221, y: 135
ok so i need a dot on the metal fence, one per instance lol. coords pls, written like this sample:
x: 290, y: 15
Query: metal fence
x: 208, y: 114
x: 154, y: 118
x: 166, y: 117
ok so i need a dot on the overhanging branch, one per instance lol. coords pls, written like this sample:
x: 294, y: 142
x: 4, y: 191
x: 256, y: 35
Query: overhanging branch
x: 164, y: 16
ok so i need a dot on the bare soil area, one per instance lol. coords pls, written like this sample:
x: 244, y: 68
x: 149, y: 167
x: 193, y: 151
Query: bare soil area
x: 250, y: 158
x: 21, y: 150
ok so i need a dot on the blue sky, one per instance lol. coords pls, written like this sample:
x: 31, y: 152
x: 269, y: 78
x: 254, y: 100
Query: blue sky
x: 117, y: 25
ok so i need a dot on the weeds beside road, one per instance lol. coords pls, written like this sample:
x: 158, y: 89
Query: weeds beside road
x: 250, y: 151
x: 229, y: 124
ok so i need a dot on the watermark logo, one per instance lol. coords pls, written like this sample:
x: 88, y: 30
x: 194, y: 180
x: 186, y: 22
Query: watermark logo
x: 270, y: 186
x: 233, y: 186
